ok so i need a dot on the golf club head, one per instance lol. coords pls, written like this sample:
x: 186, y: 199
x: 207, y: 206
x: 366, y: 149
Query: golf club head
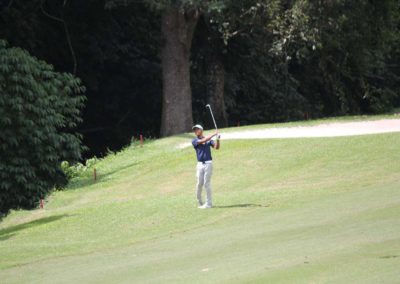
x: 208, y: 105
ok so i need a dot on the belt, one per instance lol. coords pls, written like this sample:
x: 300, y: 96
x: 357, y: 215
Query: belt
x: 205, y: 162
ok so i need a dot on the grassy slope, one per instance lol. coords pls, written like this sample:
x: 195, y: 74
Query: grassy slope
x: 303, y: 210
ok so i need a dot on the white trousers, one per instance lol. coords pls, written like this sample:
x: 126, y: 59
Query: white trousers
x: 204, y: 172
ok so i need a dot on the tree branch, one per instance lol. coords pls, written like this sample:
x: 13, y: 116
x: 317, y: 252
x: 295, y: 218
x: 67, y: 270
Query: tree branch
x: 47, y: 14
x: 66, y: 30
x: 9, y: 4
x: 71, y: 48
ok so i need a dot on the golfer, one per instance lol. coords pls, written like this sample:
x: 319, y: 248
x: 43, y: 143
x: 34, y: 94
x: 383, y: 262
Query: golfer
x: 202, y: 146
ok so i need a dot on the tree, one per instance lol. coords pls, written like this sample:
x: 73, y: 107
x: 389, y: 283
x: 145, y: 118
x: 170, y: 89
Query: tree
x: 117, y: 54
x: 264, y: 60
x: 177, y: 29
x: 340, y: 53
x: 258, y: 84
x: 178, y: 22
x: 38, y: 110
x: 222, y: 45
x: 208, y: 71
x: 179, y: 19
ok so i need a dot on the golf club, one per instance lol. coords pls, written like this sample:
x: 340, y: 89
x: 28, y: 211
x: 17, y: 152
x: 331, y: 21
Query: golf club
x: 212, y: 115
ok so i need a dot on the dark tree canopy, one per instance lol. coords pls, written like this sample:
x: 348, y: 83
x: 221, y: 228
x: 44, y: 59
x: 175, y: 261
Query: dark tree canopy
x: 259, y: 61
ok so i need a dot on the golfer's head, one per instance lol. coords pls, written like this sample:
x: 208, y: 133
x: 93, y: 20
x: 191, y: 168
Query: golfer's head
x: 197, y: 129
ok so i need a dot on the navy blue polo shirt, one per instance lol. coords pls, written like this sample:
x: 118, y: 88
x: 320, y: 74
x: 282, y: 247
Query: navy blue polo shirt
x: 203, y: 151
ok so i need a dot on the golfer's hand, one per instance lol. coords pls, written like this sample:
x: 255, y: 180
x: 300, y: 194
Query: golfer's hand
x: 217, y: 144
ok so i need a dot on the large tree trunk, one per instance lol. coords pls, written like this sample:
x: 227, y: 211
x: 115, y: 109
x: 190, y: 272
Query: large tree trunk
x: 177, y: 30
x: 215, y: 88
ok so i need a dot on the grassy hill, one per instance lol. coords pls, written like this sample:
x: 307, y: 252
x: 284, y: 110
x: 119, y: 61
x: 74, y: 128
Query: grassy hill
x: 287, y: 210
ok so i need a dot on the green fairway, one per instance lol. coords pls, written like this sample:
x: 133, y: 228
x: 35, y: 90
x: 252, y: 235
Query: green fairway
x: 323, y: 210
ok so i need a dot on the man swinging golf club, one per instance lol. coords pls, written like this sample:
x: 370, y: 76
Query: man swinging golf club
x: 202, y: 145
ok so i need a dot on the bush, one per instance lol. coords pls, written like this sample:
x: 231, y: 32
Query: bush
x: 75, y: 170
x: 38, y: 110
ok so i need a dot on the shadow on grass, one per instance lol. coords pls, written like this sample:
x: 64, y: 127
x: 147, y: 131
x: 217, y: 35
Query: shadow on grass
x: 246, y: 205
x: 11, y: 231
x: 6, y: 237
x: 389, y: 256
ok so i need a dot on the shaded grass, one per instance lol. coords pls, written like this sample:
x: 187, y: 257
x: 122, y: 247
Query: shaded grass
x: 7, y: 232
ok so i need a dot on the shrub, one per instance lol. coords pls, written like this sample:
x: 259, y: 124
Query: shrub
x: 75, y: 170
x: 38, y: 110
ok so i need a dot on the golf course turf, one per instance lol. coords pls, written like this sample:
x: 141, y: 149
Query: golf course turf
x: 310, y: 210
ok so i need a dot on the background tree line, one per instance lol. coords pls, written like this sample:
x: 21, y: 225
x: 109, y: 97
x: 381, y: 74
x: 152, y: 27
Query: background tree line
x: 150, y: 66
x: 256, y: 61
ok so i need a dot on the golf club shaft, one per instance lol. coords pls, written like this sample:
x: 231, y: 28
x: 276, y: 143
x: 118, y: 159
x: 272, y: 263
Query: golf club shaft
x: 212, y: 115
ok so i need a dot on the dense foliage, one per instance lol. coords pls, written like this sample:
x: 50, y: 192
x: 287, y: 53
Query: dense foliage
x: 38, y: 107
x: 298, y: 59
x: 349, y: 65
x: 116, y: 54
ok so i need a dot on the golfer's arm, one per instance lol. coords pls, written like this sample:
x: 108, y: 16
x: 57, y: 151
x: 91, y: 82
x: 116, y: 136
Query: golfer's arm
x: 217, y: 146
x: 206, y: 139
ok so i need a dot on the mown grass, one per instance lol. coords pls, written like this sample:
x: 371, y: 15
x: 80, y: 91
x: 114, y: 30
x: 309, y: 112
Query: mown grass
x: 395, y: 114
x: 295, y: 210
